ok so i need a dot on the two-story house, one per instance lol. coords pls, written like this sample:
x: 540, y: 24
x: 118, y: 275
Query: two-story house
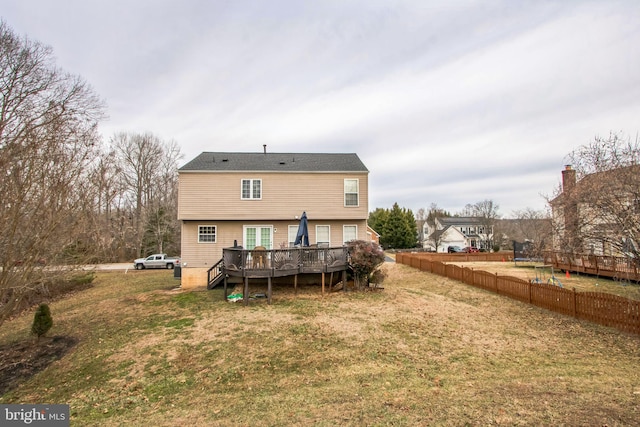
x: 257, y: 199
x: 599, y: 213
x: 456, y: 231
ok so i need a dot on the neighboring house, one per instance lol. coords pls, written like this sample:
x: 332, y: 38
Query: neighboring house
x: 373, y: 235
x: 456, y: 231
x: 257, y: 199
x: 599, y: 213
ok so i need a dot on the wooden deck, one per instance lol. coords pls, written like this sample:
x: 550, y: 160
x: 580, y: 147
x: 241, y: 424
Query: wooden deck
x: 616, y: 268
x: 274, y: 263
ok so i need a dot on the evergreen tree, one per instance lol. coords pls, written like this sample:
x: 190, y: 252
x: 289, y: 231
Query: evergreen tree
x: 399, y: 230
x: 377, y: 219
x: 411, y: 235
x: 397, y: 227
x: 42, y: 321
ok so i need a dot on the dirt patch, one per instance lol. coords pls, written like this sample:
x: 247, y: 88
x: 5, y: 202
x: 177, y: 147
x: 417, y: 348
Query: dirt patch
x: 22, y: 360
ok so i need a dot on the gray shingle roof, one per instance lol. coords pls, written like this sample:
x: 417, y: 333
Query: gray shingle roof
x: 276, y: 162
x: 457, y: 220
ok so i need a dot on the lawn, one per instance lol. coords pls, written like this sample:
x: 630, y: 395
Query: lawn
x: 581, y: 282
x: 426, y: 350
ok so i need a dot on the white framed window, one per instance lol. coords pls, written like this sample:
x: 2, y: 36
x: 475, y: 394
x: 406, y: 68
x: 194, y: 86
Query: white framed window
x: 323, y: 235
x: 207, y: 233
x: 349, y: 233
x: 292, y: 233
x: 251, y: 189
x: 351, y: 197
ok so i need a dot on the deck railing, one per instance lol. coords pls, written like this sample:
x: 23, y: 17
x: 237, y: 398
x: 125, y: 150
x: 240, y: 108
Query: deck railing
x: 617, y: 268
x: 284, y: 262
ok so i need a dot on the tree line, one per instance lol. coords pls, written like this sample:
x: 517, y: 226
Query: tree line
x: 66, y: 196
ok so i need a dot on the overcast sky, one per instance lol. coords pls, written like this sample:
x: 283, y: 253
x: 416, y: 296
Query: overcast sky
x: 447, y: 102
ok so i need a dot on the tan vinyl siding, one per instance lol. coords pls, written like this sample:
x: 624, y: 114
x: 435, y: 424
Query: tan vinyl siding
x: 196, y: 254
x: 217, y: 195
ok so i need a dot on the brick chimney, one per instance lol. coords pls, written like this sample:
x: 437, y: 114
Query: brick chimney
x: 568, y: 179
x: 571, y: 238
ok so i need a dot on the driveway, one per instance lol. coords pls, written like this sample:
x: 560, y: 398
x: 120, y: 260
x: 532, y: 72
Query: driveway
x: 116, y: 266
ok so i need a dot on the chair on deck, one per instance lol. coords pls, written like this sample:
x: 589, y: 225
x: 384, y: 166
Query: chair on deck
x: 259, y: 257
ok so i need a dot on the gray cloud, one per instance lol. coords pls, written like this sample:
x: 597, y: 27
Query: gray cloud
x: 445, y: 102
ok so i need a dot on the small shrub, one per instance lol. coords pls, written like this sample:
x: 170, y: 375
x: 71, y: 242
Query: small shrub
x: 42, y: 321
x: 377, y: 277
x: 82, y: 279
x: 364, y: 258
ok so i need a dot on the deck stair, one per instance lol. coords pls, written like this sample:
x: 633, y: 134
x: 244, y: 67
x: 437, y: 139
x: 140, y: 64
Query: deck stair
x: 215, y: 275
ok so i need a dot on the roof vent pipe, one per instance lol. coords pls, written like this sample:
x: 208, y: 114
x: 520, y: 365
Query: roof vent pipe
x: 264, y: 146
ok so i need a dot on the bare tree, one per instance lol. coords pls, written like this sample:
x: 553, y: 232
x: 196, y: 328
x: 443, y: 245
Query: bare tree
x: 468, y: 210
x: 487, y: 213
x: 149, y: 181
x: 600, y: 212
x: 48, y: 123
x: 107, y: 230
x: 162, y: 231
x: 534, y: 227
x: 421, y: 218
x: 434, y: 235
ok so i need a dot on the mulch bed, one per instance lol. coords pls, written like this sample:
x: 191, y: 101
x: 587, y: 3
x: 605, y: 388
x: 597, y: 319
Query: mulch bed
x: 22, y: 360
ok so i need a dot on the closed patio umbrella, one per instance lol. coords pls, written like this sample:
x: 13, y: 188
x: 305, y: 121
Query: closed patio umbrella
x: 303, y: 232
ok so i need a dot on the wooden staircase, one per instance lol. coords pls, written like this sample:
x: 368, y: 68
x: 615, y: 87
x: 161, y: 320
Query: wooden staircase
x: 215, y: 274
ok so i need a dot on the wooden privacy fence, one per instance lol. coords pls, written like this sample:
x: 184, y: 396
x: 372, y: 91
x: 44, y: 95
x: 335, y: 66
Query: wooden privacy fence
x: 463, y: 257
x: 604, y: 309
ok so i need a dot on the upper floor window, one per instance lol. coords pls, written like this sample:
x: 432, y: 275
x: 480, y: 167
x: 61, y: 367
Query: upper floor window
x: 207, y: 234
x: 251, y: 189
x: 351, y: 192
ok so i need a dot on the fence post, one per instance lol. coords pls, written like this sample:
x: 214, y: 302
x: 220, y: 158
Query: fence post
x: 575, y: 310
x: 496, y: 284
x: 530, y: 285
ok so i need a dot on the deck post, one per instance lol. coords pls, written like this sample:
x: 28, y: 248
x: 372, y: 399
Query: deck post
x: 245, y: 295
x: 295, y: 285
x: 225, y: 287
x: 269, y: 290
x: 323, y: 284
x: 344, y: 280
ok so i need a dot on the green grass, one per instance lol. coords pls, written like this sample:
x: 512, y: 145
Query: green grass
x: 425, y: 351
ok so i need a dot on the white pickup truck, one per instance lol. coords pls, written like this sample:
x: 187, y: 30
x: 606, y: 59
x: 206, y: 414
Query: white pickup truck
x: 156, y: 261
